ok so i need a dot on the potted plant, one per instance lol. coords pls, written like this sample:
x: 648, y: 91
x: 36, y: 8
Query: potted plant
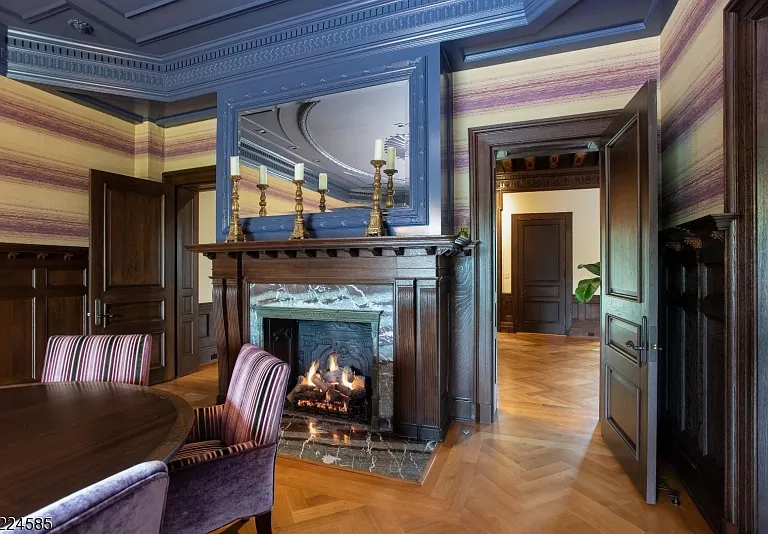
x: 589, y: 286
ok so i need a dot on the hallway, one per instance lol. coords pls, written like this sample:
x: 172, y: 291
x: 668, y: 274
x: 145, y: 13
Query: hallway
x: 541, y: 468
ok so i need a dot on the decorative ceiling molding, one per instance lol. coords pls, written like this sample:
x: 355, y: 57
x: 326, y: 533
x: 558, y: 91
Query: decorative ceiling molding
x: 332, y: 33
x: 584, y: 178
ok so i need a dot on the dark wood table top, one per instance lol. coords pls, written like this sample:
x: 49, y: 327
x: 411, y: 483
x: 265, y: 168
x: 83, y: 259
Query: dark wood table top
x: 58, y: 438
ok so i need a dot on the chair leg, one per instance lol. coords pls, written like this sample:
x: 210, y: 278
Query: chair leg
x: 264, y: 523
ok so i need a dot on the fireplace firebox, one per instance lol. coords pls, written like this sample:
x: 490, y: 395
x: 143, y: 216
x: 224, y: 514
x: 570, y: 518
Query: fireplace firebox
x: 334, y: 359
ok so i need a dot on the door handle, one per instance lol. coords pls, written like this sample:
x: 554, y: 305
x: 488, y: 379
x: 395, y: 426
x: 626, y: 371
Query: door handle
x: 632, y: 346
x: 98, y: 314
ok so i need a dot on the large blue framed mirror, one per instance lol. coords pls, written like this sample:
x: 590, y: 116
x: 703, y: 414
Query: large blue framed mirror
x: 328, y: 119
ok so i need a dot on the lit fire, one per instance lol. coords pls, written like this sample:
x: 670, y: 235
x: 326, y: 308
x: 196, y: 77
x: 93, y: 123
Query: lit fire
x: 329, y: 391
x: 312, y: 372
x: 347, y: 378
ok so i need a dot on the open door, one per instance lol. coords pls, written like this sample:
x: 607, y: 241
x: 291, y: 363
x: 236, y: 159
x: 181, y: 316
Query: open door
x: 131, y: 271
x: 628, y: 351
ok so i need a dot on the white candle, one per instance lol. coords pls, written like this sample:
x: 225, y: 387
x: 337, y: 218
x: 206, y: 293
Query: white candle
x: 391, y: 155
x: 378, y: 150
x: 323, y: 182
x: 234, y: 165
x: 263, y: 175
x: 298, y: 172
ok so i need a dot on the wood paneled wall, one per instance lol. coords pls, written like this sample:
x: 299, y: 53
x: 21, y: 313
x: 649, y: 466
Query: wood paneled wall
x: 42, y: 293
x: 692, y: 366
x: 207, y: 333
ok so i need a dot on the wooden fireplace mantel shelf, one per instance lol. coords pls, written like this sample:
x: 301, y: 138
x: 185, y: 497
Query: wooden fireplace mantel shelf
x: 442, y: 245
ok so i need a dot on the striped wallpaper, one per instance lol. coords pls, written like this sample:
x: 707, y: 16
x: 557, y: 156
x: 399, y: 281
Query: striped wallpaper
x: 48, y: 146
x: 583, y: 81
x: 692, y: 90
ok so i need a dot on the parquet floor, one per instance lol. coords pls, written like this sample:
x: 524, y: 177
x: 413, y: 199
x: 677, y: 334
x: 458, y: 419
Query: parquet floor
x: 541, y: 468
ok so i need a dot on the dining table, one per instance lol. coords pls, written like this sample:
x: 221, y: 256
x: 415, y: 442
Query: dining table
x: 58, y: 438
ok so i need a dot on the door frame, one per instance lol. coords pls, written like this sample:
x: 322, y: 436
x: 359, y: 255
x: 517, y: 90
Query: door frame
x: 746, y: 469
x: 195, y: 179
x: 483, y: 141
x: 568, y: 217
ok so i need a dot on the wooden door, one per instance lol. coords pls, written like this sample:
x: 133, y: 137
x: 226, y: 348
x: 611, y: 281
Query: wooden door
x: 131, y: 272
x: 628, y: 355
x: 187, y: 307
x: 541, y: 267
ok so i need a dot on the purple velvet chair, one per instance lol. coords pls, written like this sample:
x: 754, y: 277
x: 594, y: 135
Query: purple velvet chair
x: 226, y: 471
x: 130, y: 501
x: 122, y: 359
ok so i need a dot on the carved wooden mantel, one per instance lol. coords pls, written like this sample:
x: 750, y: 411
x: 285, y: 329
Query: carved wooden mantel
x: 420, y: 271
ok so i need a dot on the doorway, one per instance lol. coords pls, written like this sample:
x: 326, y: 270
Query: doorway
x: 629, y: 234
x: 194, y: 195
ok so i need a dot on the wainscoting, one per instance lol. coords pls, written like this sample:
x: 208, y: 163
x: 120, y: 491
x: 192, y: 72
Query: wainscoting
x: 585, y: 321
x: 207, y: 336
x: 692, y: 366
x: 42, y: 293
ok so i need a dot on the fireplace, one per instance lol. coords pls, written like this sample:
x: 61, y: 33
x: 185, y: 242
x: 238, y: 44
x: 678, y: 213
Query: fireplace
x: 407, y: 281
x: 335, y: 354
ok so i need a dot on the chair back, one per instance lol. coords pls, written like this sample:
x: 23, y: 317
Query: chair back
x: 128, y: 502
x: 122, y: 359
x: 255, y: 398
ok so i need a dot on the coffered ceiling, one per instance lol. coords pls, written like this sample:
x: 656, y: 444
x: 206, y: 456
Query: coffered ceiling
x: 177, y: 50
x: 156, y: 27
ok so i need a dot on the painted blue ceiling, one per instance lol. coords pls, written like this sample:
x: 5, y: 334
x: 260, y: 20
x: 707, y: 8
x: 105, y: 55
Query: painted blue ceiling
x: 144, y: 51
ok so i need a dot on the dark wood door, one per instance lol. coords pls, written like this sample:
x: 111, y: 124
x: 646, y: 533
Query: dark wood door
x: 131, y: 272
x: 541, y: 267
x: 187, y: 307
x: 629, y: 221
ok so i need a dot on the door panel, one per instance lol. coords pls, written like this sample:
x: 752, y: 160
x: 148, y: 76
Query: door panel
x: 132, y: 264
x: 629, y: 195
x: 541, y: 266
x: 186, y: 283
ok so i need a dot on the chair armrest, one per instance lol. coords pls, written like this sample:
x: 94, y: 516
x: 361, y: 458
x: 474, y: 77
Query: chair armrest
x: 206, y: 424
x: 204, y: 495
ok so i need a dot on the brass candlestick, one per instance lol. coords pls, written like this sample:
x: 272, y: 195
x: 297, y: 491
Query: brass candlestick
x: 376, y: 224
x: 235, y: 228
x: 263, y: 202
x: 390, y: 203
x: 322, y: 199
x: 299, y: 228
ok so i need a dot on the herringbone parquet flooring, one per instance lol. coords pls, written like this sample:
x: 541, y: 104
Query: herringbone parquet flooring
x: 541, y: 468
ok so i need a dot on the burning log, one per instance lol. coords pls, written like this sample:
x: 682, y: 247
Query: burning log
x: 318, y: 381
x: 304, y: 391
x: 333, y: 377
x: 334, y: 395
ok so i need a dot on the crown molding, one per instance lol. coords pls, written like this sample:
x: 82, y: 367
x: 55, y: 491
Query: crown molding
x: 354, y: 28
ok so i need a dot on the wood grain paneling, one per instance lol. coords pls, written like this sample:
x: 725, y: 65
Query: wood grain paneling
x: 585, y: 321
x: 206, y: 333
x: 461, y: 377
x: 406, y: 409
x: 693, y: 395
x: 43, y: 294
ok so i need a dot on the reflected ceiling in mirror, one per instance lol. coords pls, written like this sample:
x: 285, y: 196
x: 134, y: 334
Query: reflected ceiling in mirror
x: 333, y: 134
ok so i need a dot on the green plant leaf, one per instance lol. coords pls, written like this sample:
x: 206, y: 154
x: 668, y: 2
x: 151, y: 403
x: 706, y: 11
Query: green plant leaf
x: 587, y: 289
x: 593, y: 268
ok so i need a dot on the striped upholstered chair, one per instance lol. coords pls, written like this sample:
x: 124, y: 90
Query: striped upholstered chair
x: 226, y: 470
x: 121, y: 359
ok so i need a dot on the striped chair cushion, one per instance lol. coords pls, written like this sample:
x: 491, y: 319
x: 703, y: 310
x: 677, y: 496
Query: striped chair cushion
x: 255, y: 398
x: 122, y: 359
x: 201, y: 451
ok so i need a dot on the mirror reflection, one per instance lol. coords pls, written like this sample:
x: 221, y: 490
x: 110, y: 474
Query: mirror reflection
x: 335, y: 138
